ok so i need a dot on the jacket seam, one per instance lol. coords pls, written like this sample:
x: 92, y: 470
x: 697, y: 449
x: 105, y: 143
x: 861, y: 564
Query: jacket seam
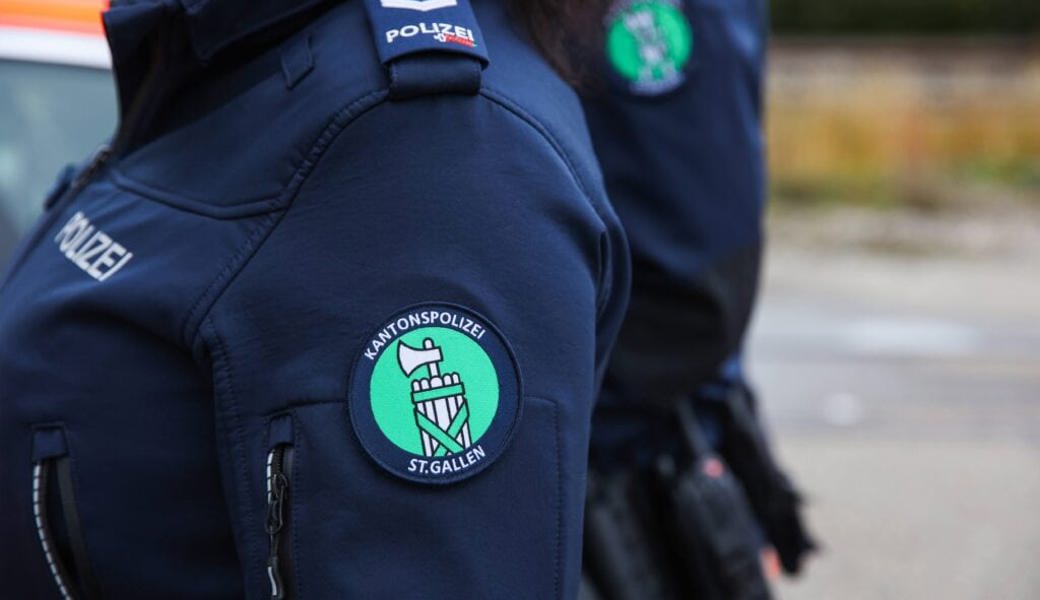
x: 511, y: 106
x: 557, y: 566
x: 507, y: 103
x: 295, y: 506
x: 246, y: 207
x: 558, y: 563
x: 224, y: 378
x: 240, y: 256
x: 338, y: 123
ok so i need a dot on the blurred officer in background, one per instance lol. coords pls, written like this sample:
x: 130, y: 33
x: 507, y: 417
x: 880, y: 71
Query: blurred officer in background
x: 684, y: 492
x: 326, y: 318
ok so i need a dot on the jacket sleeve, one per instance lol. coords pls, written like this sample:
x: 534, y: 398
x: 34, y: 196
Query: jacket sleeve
x: 415, y: 210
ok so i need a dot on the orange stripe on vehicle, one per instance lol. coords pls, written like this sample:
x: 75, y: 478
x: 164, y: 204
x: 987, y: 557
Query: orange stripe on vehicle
x: 81, y: 16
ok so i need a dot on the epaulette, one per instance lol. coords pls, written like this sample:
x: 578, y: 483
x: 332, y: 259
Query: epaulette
x: 428, y: 46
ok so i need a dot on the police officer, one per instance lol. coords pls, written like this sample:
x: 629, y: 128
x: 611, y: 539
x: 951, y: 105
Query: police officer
x: 676, y: 123
x: 325, y: 319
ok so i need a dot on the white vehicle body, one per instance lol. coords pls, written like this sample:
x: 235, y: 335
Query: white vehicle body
x: 52, y: 46
x: 57, y: 104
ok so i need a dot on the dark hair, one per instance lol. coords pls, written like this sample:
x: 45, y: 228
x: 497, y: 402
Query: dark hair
x: 568, y: 33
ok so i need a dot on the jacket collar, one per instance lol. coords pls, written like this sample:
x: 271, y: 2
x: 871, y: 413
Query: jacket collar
x: 210, y: 25
x: 192, y: 31
x: 216, y: 24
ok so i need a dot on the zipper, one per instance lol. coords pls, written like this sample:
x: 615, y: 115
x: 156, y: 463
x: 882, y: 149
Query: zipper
x: 60, y: 574
x: 279, y: 474
x: 97, y: 161
x: 51, y: 461
x: 81, y: 179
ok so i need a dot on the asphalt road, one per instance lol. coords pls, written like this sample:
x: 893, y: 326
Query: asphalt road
x: 902, y: 391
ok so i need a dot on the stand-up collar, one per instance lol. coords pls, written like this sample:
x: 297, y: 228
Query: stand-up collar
x: 216, y: 24
x: 211, y: 25
x: 186, y: 31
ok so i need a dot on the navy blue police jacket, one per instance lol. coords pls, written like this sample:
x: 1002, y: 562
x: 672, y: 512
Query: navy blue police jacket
x: 325, y: 320
x: 676, y: 123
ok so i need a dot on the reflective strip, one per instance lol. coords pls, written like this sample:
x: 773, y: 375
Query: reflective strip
x: 39, y: 492
x: 274, y: 582
x: 270, y: 464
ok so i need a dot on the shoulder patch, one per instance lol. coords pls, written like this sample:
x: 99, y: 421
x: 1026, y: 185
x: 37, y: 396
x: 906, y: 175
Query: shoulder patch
x: 649, y: 44
x: 435, y: 394
x: 403, y: 27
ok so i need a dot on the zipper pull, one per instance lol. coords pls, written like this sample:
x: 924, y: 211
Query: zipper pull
x: 62, y: 183
x: 98, y: 160
x: 66, y: 188
x: 275, y: 522
x: 279, y: 470
x: 275, y: 578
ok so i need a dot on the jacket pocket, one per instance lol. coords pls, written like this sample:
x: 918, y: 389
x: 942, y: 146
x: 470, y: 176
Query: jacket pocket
x: 278, y: 476
x: 361, y: 532
x: 53, y: 493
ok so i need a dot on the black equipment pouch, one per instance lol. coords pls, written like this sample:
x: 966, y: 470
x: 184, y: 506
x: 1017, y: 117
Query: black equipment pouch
x: 682, y: 529
x: 711, y: 512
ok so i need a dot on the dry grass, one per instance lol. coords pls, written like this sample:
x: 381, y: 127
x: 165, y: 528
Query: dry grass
x: 904, y: 122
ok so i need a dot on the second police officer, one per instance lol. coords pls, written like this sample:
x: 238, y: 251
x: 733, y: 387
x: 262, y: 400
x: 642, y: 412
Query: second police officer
x: 684, y: 488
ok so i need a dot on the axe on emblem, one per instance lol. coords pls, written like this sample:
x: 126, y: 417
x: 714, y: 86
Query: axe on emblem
x: 411, y: 359
x: 439, y: 401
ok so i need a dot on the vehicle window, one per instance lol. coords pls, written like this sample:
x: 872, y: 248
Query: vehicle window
x: 50, y: 115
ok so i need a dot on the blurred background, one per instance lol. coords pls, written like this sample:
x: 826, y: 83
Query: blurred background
x: 897, y: 341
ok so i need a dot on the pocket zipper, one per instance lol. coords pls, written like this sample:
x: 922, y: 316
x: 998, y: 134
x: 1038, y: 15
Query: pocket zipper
x: 41, y: 472
x: 50, y: 453
x: 279, y: 556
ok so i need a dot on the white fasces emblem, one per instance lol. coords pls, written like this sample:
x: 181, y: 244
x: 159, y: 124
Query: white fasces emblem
x: 439, y: 401
x: 420, y: 5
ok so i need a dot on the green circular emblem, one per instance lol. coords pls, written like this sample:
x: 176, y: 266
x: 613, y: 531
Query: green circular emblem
x: 649, y: 43
x: 435, y: 394
x: 460, y: 388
